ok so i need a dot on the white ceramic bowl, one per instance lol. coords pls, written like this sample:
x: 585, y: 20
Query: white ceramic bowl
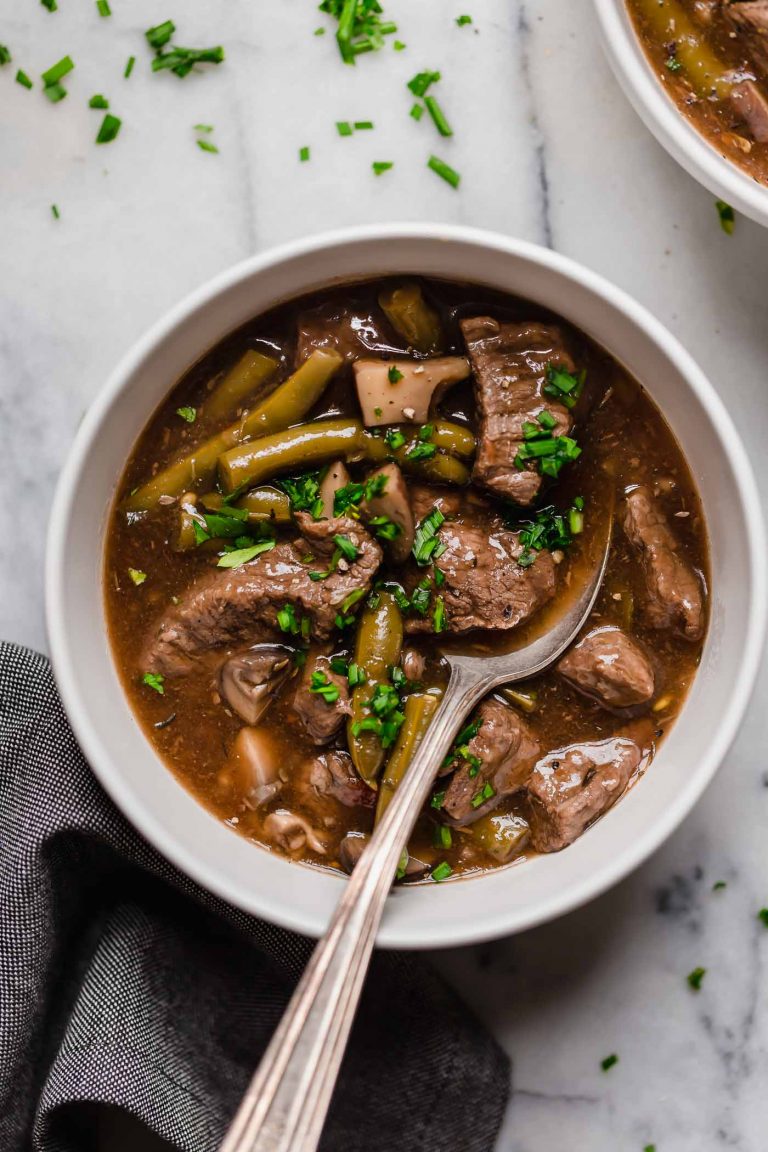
x: 301, y: 897
x: 672, y: 128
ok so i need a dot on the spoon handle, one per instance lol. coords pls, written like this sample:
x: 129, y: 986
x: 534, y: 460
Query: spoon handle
x: 285, y: 1104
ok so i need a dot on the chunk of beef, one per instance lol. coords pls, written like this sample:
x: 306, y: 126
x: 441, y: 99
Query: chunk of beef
x: 333, y: 775
x: 351, y: 331
x: 510, y: 365
x: 321, y: 718
x: 501, y: 755
x: 749, y: 20
x: 250, y: 681
x: 674, y: 592
x: 611, y: 668
x: 751, y: 106
x: 484, y: 586
x: 571, y: 787
x: 234, y: 607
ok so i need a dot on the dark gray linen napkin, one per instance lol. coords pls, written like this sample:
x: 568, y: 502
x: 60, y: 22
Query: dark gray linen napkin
x: 123, y: 983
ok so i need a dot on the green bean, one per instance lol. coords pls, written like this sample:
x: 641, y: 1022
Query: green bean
x: 411, y: 316
x: 252, y: 369
x: 500, y: 834
x: 441, y: 468
x: 525, y: 701
x: 260, y: 503
x: 311, y: 445
x: 378, y: 644
x: 419, y: 710
x: 307, y: 446
x: 670, y: 22
x: 286, y: 405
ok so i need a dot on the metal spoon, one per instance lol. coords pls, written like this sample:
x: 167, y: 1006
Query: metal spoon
x: 285, y: 1104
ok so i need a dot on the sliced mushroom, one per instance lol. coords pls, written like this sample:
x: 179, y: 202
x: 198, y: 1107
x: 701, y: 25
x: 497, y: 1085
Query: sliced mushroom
x: 416, y: 384
x: 254, y: 762
x: 292, y: 833
x: 336, y: 477
x: 250, y: 681
x: 413, y: 663
x: 393, y: 502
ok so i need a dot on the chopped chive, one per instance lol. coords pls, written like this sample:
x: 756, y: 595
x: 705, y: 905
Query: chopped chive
x: 394, y: 375
x: 181, y: 61
x: 58, y: 71
x: 5, y: 55
x: 417, y: 111
x: 55, y: 211
x: 98, y: 101
x: 437, y: 800
x: 103, y: 8
x: 380, y: 166
x: 398, y: 46
x: 190, y: 415
x: 763, y: 916
x: 442, y: 871
x: 159, y: 36
x: 695, y: 978
x: 362, y: 125
x: 718, y: 885
x: 442, y: 836
x: 207, y: 146
x: 137, y: 576
x: 129, y: 66
x: 23, y: 79
x: 422, y: 81
x: 203, y: 127
x: 438, y: 615
x: 462, y: 20
x: 51, y: 5
x: 304, y: 153
x: 438, y: 116
x: 155, y: 681
x: 319, y: 31
x: 609, y: 1061
x: 673, y: 64
x: 55, y: 92
x: 727, y: 216
x: 450, y: 175
x: 343, y: 127
x: 110, y: 126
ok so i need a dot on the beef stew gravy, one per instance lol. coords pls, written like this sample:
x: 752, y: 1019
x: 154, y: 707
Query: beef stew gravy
x: 711, y: 56
x: 284, y: 778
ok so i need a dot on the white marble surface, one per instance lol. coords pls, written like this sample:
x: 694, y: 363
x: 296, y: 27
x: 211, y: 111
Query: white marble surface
x: 549, y: 150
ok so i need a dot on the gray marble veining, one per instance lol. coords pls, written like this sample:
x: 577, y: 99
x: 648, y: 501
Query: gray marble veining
x: 548, y: 150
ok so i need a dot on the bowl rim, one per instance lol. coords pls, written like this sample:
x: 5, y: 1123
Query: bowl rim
x: 63, y: 646
x: 681, y: 139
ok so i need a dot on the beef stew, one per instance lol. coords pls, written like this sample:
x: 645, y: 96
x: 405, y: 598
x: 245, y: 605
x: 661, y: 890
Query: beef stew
x: 344, y: 484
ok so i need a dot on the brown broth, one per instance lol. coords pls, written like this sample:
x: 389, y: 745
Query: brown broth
x: 625, y: 432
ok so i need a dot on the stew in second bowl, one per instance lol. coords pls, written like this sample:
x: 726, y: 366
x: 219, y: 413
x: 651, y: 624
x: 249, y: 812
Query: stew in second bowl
x: 712, y: 58
x: 343, y: 484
